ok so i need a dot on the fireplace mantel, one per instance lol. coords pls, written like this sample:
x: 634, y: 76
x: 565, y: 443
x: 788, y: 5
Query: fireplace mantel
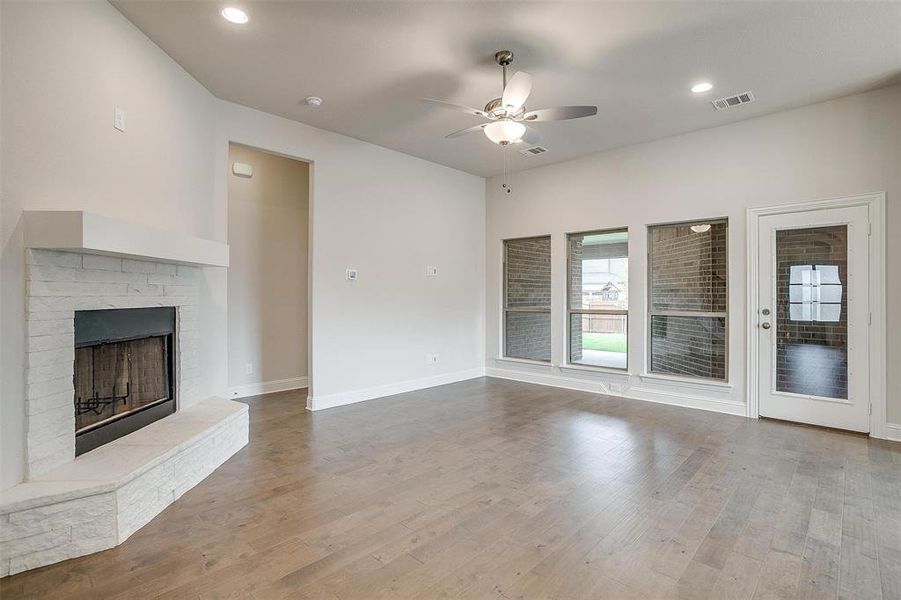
x: 90, y: 233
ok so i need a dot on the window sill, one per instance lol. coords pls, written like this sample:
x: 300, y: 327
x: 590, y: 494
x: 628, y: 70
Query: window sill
x: 524, y: 361
x: 598, y: 370
x: 687, y: 382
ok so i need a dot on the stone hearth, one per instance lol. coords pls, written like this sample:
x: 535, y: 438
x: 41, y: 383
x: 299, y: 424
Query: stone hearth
x: 69, y: 507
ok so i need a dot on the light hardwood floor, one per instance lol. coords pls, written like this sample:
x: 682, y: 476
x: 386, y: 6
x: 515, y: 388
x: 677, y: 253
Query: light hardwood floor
x: 503, y: 490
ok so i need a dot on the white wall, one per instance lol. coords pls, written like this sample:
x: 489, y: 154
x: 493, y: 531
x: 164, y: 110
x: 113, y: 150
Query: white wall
x: 65, y: 66
x: 267, y: 275
x: 839, y: 148
x: 388, y: 215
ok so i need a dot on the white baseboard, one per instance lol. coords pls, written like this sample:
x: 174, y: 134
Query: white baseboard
x: 548, y: 379
x: 342, y: 398
x: 729, y: 407
x: 267, y: 387
x: 645, y: 394
x: 893, y: 432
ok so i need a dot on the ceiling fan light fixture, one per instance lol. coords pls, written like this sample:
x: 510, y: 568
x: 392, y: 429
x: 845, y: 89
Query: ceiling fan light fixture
x: 505, y: 132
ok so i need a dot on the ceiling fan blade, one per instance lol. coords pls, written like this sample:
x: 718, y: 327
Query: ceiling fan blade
x: 457, y: 107
x: 531, y: 137
x: 465, y: 131
x: 560, y: 113
x: 517, y: 91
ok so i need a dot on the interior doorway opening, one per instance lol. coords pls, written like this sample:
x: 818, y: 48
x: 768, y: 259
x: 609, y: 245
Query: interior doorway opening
x: 268, y: 276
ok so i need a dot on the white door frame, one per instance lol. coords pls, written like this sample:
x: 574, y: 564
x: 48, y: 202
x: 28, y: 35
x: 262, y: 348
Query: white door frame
x: 877, y: 348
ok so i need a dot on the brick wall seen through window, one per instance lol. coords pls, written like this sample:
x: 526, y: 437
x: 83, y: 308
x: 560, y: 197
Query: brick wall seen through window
x: 527, y: 298
x: 687, y: 298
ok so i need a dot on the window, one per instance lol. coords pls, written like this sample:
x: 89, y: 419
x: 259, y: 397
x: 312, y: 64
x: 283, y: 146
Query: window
x: 527, y: 298
x: 687, y: 298
x: 815, y: 293
x: 598, y: 303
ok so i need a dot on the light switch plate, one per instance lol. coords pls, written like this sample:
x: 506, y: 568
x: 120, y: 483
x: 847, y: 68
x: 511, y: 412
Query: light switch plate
x: 350, y: 274
x: 431, y: 271
x: 119, y: 119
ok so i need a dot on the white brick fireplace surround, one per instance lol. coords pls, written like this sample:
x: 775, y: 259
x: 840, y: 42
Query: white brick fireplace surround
x: 60, y: 283
x: 69, y: 506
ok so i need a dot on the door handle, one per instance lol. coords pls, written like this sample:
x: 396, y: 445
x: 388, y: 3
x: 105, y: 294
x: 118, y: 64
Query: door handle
x: 765, y: 325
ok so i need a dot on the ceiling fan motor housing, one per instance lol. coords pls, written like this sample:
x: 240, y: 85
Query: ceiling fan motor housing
x: 503, y: 57
x: 495, y: 109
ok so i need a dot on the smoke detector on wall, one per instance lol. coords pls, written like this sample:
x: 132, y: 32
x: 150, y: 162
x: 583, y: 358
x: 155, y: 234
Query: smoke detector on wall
x: 242, y: 169
x: 733, y: 101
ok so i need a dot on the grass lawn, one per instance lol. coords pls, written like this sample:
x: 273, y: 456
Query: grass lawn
x: 608, y: 342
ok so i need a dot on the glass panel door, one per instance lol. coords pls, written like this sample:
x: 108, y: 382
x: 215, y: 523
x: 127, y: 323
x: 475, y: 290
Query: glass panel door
x: 812, y: 321
x: 812, y: 312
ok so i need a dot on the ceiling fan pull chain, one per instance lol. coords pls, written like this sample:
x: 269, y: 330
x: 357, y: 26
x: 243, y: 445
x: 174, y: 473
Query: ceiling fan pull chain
x: 506, y: 184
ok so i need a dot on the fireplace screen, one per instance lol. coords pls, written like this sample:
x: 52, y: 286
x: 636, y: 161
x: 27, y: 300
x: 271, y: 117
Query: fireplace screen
x: 123, y: 372
x: 118, y: 378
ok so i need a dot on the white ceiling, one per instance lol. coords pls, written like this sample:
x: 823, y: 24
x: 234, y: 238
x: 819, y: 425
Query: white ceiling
x: 371, y: 61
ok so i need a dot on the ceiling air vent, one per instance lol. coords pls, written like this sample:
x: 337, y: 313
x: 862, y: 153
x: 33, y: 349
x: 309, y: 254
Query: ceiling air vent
x: 733, y: 101
x: 533, y: 150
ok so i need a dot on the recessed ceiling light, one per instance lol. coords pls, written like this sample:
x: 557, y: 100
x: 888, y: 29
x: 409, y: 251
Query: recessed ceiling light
x: 234, y: 15
x: 700, y: 88
x: 313, y: 101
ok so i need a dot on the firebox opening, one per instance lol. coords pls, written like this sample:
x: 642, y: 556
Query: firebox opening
x: 124, y: 372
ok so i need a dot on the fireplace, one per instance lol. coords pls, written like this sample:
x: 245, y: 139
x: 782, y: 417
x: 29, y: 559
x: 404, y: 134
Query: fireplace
x: 124, y: 374
x: 124, y: 332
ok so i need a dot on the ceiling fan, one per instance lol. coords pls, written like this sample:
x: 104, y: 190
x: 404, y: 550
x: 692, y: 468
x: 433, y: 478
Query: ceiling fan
x: 507, y: 115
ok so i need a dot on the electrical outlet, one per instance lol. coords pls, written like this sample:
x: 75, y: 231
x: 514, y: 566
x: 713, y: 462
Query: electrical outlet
x: 248, y: 369
x: 435, y: 360
x: 431, y: 271
x: 119, y: 119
